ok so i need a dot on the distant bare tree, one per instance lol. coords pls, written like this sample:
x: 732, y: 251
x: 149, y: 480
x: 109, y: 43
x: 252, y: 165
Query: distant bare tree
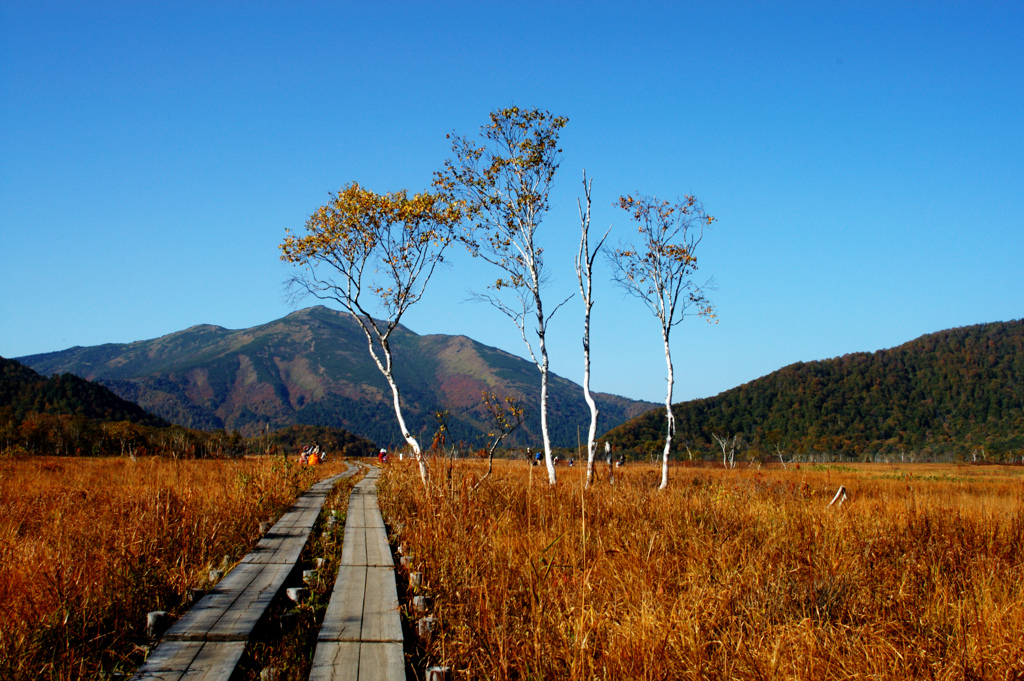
x: 584, y: 274
x: 728, y: 449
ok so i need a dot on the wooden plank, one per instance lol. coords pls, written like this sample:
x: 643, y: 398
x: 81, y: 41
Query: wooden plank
x: 336, y: 661
x: 381, y: 621
x: 215, y: 662
x: 191, y: 661
x: 353, y: 550
x: 205, y: 614
x: 169, y: 661
x: 354, y: 661
x: 381, y: 662
x: 343, y: 620
x: 355, y: 516
x: 378, y: 551
x: 207, y: 642
x: 239, y: 620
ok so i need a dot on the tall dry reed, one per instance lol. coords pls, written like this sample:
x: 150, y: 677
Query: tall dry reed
x: 726, y: 575
x: 88, y: 546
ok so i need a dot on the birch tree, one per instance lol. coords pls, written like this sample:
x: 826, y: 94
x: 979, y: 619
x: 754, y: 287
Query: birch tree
x: 365, y: 250
x: 659, y: 271
x: 502, y: 183
x: 584, y: 274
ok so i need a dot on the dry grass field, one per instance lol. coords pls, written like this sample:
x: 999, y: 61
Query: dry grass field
x: 88, y: 546
x: 728, y: 574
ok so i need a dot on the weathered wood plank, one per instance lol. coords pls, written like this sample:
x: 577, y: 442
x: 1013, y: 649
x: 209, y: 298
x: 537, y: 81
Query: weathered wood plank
x: 381, y: 662
x: 381, y: 621
x: 344, y: 616
x: 361, y: 635
x: 353, y: 550
x: 169, y: 661
x: 354, y: 661
x: 336, y: 661
x: 378, y: 551
x: 215, y: 661
x: 206, y: 613
x: 239, y: 620
x: 207, y: 642
x: 192, y: 660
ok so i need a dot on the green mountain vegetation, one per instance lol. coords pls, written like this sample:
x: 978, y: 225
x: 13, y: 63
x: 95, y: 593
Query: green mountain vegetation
x: 952, y: 393
x: 312, y: 367
x: 23, y: 391
x: 69, y: 416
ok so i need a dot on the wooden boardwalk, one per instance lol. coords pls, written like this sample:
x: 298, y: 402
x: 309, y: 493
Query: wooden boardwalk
x: 208, y: 641
x: 361, y: 636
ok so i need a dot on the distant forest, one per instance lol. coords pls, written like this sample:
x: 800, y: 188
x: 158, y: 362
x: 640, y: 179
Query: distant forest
x: 955, y: 393
x: 65, y: 415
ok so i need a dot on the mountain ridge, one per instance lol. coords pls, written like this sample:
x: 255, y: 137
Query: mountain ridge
x: 312, y: 367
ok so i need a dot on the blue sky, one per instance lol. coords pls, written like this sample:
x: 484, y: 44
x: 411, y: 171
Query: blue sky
x: 865, y: 162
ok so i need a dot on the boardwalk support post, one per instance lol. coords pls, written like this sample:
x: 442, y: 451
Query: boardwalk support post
x: 156, y: 623
x: 425, y: 627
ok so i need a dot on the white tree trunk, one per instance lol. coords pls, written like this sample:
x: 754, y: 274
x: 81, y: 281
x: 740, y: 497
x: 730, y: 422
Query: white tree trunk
x: 406, y: 435
x: 669, y: 416
x: 592, y: 433
x: 548, y: 460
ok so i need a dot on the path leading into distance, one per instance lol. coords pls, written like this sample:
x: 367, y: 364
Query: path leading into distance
x: 361, y: 636
x: 208, y: 641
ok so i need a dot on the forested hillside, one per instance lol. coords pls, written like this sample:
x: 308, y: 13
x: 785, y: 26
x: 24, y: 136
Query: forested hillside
x: 22, y: 391
x: 951, y: 392
x: 67, y: 415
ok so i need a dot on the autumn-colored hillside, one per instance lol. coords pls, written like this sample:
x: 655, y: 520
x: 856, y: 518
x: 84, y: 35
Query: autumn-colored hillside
x: 312, y: 367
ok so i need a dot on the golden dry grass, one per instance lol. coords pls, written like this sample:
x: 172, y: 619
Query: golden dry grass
x: 88, y: 546
x: 729, y: 574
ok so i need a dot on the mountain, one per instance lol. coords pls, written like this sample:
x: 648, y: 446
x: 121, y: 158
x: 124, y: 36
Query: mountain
x: 22, y: 390
x: 312, y: 367
x: 948, y: 391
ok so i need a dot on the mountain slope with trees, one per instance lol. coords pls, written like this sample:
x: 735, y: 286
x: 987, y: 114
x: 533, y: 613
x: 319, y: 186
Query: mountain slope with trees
x: 312, y: 368
x: 951, y: 392
x: 23, y: 391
